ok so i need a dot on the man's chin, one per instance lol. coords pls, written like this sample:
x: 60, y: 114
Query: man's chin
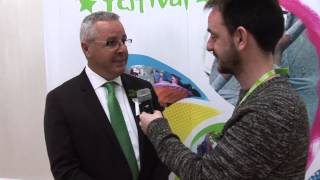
x: 224, y: 70
x: 120, y: 71
x: 220, y: 69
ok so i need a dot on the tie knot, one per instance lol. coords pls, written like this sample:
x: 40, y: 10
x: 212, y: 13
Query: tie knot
x: 110, y: 86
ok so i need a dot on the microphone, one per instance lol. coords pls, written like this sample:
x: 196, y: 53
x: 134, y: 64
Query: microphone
x: 145, y: 100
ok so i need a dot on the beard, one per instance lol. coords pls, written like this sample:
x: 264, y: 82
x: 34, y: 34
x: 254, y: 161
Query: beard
x: 228, y: 63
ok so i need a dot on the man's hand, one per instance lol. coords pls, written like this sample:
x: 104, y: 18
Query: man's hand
x: 146, y: 119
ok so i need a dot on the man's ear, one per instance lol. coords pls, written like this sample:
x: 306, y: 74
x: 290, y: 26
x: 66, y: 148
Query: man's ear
x: 85, y: 49
x: 240, y: 38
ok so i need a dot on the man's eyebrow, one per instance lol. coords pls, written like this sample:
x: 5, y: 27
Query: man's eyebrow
x: 112, y: 38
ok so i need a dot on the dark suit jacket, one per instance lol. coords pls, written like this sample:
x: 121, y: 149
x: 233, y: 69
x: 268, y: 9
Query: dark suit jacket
x: 80, y: 141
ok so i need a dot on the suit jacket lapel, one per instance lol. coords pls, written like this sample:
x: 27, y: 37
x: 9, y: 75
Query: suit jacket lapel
x: 94, y: 107
x: 129, y: 87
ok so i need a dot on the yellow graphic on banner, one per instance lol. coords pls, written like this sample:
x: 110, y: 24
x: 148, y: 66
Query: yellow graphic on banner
x: 184, y: 117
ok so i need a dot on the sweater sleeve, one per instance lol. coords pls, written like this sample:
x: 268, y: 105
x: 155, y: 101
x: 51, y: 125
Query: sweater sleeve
x: 247, y: 150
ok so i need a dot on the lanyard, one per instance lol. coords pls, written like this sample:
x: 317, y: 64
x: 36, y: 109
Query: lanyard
x: 264, y: 78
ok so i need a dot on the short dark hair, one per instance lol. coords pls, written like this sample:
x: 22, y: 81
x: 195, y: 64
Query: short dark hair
x: 262, y: 18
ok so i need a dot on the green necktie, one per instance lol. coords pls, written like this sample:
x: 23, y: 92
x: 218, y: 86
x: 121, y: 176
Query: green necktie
x: 120, y: 129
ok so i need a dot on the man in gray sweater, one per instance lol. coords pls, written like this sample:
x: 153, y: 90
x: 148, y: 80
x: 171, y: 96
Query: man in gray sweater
x: 267, y: 135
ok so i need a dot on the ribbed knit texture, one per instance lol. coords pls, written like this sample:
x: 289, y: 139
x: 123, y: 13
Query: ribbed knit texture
x: 266, y: 138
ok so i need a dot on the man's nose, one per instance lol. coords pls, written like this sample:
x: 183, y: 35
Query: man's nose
x: 122, y: 47
x: 210, y: 44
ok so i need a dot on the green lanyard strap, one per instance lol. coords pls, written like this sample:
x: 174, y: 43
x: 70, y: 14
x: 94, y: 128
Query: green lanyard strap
x: 264, y: 78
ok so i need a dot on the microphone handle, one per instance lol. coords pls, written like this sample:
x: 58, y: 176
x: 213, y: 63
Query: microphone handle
x: 147, y: 106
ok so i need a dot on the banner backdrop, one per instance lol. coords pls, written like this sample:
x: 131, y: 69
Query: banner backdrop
x: 168, y: 50
x: 309, y: 13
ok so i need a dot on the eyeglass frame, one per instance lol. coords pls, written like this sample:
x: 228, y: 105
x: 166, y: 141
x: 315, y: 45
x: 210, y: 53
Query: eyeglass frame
x: 115, y: 43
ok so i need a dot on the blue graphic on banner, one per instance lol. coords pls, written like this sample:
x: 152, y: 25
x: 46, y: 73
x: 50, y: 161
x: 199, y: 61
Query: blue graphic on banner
x: 166, y: 71
x: 316, y: 176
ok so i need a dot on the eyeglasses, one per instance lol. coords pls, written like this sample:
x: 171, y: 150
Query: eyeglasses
x: 115, y: 43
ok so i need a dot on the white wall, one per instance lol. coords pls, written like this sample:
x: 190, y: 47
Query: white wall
x: 22, y: 91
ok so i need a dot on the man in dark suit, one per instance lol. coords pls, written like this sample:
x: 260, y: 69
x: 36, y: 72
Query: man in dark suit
x: 82, y: 140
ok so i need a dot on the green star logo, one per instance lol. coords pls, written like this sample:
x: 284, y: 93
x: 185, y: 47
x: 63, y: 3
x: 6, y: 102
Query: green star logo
x: 87, y: 5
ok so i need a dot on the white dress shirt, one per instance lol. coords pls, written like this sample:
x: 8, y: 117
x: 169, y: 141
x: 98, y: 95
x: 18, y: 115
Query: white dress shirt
x: 97, y: 83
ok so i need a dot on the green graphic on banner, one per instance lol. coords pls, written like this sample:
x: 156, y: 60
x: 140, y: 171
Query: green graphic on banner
x: 131, y: 5
x: 214, y: 129
x: 87, y: 5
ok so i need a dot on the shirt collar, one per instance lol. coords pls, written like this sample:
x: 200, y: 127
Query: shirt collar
x: 96, y: 80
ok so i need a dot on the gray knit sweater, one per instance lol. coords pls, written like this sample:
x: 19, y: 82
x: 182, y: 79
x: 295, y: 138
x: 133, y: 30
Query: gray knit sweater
x: 266, y: 138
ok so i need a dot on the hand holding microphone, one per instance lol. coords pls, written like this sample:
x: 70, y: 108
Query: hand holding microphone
x: 144, y: 98
x: 146, y: 119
